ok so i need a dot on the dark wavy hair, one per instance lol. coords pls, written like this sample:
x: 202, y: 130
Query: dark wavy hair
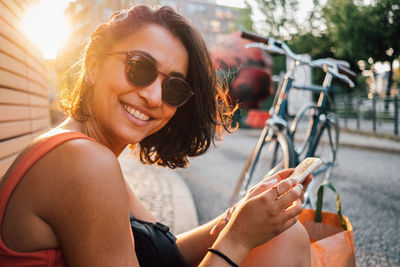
x: 194, y: 125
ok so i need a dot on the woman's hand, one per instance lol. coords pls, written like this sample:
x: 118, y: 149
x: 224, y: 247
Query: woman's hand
x: 269, y: 181
x: 284, y: 174
x: 264, y: 213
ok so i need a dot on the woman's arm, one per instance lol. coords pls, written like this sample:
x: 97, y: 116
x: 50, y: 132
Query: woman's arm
x: 256, y: 219
x: 87, y: 206
x: 194, y: 243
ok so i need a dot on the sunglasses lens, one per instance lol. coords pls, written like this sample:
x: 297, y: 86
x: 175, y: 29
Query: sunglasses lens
x: 141, y: 71
x: 176, y: 91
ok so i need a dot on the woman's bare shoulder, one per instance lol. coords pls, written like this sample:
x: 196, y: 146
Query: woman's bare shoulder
x: 79, y: 172
x: 88, y: 195
x: 82, y: 162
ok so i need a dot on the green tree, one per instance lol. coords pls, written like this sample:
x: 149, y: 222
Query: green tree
x: 317, y: 45
x: 361, y: 32
x: 281, y: 20
x: 279, y: 17
x: 387, y: 14
x: 245, y: 23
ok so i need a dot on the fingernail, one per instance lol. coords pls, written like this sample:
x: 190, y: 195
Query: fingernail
x: 274, y: 181
x: 302, y: 187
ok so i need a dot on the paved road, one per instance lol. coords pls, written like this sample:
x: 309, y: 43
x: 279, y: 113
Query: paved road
x: 368, y: 182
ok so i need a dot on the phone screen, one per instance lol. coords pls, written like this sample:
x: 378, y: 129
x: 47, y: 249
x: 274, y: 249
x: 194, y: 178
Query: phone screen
x: 306, y: 167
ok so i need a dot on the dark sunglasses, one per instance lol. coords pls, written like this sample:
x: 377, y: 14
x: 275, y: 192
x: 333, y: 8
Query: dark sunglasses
x: 141, y: 70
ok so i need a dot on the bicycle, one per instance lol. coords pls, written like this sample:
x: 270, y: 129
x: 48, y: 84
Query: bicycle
x: 319, y: 122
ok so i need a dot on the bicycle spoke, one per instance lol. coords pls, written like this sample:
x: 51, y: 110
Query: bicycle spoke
x: 301, y: 129
x: 276, y: 154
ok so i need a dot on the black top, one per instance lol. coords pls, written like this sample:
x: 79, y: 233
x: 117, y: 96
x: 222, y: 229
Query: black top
x: 155, y: 245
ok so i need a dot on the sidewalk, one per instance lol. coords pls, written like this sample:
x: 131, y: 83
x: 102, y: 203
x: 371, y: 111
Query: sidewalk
x: 162, y: 191
x: 350, y: 138
x: 382, y: 128
x: 167, y: 196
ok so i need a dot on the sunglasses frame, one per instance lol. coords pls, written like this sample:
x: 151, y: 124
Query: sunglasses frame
x: 130, y: 54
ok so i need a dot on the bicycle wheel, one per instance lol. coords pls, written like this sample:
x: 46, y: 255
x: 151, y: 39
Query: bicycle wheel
x: 276, y: 154
x: 301, y: 129
x: 325, y: 147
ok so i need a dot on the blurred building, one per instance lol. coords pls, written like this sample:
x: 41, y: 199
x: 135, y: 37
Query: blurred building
x: 84, y: 16
x: 208, y: 17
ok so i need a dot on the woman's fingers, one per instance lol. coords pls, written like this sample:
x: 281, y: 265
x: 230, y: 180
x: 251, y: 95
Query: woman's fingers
x: 302, y: 193
x: 290, y: 196
x: 268, y: 181
x: 307, y: 181
x: 271, y: 210
x: 286, y: 195
x: 283, y: 187
x: 281, y: 175
x: 261, y: 187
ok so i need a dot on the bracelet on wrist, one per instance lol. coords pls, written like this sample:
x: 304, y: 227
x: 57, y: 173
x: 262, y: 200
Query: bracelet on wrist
x: 222, y: 255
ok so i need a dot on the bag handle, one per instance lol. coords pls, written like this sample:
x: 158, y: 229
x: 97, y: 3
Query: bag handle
x: 320, y: 198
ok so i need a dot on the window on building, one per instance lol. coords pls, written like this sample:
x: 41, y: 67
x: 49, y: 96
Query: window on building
x: 222, y: 13
x: 231, y: 26
x: 196, y: 8
x: 215, y: 25
x: 171, y: 3
x: 204, y: 24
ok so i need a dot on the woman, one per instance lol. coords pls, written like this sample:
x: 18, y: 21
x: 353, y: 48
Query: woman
x: 146, y: 80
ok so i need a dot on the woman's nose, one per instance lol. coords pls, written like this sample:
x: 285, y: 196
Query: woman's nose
x: 152, y: 93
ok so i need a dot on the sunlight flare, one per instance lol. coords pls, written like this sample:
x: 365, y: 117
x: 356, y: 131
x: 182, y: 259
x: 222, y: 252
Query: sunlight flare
x: 46, y: 26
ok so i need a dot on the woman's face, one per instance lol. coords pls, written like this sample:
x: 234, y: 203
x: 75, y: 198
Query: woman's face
x: 126, y: 114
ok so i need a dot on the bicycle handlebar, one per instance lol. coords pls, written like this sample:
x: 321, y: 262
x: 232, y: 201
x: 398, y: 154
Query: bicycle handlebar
x: 337, y: 68
x: 348, y: 72
x: 253, y: 37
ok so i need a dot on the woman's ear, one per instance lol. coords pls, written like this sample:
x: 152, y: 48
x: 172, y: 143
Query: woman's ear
x: 91, y: 66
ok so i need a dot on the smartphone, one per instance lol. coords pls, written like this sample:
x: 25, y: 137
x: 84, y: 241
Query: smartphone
x: 306, y: 167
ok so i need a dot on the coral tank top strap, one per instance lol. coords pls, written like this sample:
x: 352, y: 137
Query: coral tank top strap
x: 34, y: 155
x: 47, y: 257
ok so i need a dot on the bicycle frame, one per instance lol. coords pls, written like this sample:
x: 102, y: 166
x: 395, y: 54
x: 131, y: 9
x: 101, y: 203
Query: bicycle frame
x: 276, y: 130
x: 321, y: 108
x: 279, y: 120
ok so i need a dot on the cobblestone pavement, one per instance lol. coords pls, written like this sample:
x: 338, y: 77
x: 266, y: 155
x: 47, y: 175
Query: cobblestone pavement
x: 162, y: 191
x: 150, y: 185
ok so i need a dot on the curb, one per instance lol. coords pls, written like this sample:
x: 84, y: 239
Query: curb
x: 368, y: 142
x: 370, y: 147
x: 356, y: 140
x: 184, y: 212
x: 163, y: 191
x: 387, y: 136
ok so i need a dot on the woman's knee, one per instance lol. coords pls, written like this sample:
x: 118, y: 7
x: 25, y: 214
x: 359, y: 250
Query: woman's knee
x: 290, y: 248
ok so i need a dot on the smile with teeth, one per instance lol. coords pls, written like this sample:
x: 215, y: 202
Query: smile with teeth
x: 135, y: 113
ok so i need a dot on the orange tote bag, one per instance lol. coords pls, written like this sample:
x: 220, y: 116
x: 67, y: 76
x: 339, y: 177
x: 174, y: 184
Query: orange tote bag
x: 331, y: 234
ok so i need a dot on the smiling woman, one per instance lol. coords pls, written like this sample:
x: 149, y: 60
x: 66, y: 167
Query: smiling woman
x: 146, y: 78
x: 46, y: 26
